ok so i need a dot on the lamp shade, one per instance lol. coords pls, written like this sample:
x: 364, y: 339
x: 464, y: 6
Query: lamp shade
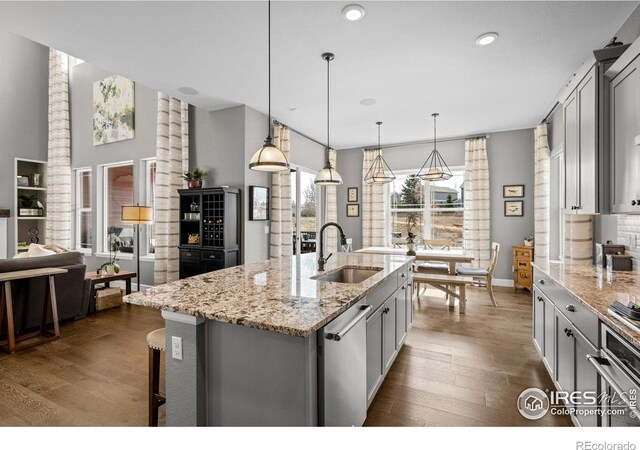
x: 137, y: 215
x: 328, y: 177
x: 269, y: 158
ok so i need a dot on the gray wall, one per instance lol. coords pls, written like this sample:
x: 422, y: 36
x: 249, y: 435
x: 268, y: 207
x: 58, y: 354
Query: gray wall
x: 85, y: 154
x: 24, y: 79
x: 511, y: 161
x: 306, y: 153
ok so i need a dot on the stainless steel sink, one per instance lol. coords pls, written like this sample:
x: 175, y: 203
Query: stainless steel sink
x: 348, y: 275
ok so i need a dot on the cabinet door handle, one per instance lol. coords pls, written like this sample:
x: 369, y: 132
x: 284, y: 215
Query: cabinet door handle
x: 568, y: 332
x: 570, y: 308
x: 633, y: 203
x: 212, y: 257
x: 541, y: 281
x: 403, y: 275
x: 403, y: 288
x: 540, y: 299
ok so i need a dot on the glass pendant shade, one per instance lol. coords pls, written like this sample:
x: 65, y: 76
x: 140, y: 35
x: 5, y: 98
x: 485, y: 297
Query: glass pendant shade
x: 269, y: 159
x: 434, y: 168
x: 328, y: 177
x: 379, y: 172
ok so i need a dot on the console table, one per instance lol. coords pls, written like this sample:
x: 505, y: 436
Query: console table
x: 6, y: 307
x: 106, y: 280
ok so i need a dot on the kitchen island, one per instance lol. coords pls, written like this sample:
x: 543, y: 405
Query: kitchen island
x: 254, y: 338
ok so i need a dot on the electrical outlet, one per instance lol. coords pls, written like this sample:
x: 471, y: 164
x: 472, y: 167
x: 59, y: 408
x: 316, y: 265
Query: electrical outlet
x: 266, y: 229
x: 176, y: 347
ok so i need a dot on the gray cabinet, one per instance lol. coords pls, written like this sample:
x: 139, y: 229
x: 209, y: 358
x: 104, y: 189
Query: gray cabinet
x: 582, y: 146
x: 538, y: 321
x: 375, y: 367
x: 389, y: 340
x: 401, y: 315
x: 625, y: 139
x: 544, y: 328
x: 585, y: 378
x: 565, y: 356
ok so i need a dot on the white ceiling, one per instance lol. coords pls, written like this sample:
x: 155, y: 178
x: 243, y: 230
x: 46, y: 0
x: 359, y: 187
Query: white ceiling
x: 415, y: 58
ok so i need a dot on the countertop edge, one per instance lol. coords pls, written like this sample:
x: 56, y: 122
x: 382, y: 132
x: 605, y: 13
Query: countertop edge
x: 619, y: 327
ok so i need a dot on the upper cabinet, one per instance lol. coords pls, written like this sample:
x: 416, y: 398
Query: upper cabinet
x: 583, y: 144
x: 625, y: 139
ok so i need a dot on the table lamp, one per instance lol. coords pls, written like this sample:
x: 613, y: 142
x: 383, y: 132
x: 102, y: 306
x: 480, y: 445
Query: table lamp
x: 137, y: 215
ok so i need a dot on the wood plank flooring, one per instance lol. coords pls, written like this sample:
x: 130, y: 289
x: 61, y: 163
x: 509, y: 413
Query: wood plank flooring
x: 464, y: 370
x: 453, y: 371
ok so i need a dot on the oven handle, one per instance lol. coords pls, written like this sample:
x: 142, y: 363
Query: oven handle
x: 597, y: 362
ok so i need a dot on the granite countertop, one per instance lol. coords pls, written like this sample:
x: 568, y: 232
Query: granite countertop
x: 597, y: 288
x: 275, y: 295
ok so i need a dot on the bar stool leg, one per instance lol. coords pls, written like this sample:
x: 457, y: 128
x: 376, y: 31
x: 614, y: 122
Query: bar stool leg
x: 54, y: 306
x: 8, y: 306
x: 154, y: 386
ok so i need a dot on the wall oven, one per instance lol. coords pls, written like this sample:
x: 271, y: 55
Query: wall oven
x: 618, y: 365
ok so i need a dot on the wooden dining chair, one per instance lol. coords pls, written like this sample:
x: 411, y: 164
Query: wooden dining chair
x: 437, y: 244
x: 486, y: 274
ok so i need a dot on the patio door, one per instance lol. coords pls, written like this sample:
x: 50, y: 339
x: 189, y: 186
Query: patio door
x: 306, y: 210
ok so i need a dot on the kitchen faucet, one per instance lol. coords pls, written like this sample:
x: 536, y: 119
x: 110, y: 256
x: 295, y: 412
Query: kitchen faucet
x: 343, y: 241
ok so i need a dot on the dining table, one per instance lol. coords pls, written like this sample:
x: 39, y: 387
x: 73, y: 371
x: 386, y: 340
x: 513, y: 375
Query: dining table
x: 451, y: 257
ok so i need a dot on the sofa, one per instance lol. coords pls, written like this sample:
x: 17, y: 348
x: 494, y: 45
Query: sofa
x: 72, y: 290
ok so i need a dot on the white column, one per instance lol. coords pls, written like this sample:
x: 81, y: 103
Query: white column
x: 3, y: 237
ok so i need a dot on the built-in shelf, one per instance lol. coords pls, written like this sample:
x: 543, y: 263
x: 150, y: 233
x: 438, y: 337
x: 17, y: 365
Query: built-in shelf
x: 31, y: 188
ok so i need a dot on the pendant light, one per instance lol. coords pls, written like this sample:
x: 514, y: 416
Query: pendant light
x: 434, y: 168
x: 269, y: 158
x: 379, y: 172
x: 328, y: 176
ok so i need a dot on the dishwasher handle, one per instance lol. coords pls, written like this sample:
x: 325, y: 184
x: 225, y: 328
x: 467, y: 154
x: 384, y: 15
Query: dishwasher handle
x: 597, y: 362
x: 364, y: 310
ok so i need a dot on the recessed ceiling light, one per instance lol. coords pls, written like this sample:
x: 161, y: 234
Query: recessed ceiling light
x: 487, y: 38
x: 188, y: 90
x: 368, y: 101
x: 353, y: 12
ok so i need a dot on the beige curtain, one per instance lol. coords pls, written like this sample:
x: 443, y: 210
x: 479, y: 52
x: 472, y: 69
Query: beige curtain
x: 58, y: 203
x: 281, y: 229
x: 331, y: 194
x: 542, y: 193
x: 172, y: 160
x: 374, y: 223
x: 477, y: 224
x: 578, y: 239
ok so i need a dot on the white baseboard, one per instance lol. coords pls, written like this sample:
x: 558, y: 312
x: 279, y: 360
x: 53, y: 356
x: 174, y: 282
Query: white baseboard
x: 503, y: 282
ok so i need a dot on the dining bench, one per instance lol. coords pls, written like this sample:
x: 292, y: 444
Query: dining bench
x: 445, y: 283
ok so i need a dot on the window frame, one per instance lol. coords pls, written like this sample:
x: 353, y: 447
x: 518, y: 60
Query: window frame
x: 102, y: 225
x: 79, y: 209
x: 426, y: 208
x: 148, y: 201
x: 297, y: 196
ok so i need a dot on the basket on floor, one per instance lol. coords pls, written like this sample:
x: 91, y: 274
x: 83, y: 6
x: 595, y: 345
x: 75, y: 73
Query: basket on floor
x: 108, y: 298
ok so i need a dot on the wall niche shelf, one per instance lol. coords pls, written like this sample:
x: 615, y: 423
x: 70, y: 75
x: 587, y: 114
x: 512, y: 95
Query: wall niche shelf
x: 26, y: 169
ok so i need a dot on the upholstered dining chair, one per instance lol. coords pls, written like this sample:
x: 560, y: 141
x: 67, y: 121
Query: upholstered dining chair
x: 487, y: 274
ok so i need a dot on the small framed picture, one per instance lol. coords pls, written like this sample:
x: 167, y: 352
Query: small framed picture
x: 352, y: 194
x: 513, y: 191
x: 259, y: 203
x: 353, y: 210
x: 513, y: 208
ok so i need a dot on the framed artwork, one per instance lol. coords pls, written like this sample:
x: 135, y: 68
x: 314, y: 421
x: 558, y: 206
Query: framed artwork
x: 513, y: 191
x: 259, y: 201
x: 513, y: 208
x: 352, y: 194
x: 353, y: 210
x: 113, y: 110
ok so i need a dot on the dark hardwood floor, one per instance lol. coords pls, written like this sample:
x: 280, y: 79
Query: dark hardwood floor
x: 464, y: 370
x: 453, y: 371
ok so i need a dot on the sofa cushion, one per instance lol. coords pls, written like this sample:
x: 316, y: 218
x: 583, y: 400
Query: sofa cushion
x: 38, y: 262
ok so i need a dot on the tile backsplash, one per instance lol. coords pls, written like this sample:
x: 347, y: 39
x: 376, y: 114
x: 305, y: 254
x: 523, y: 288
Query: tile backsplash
x: 629, y: 235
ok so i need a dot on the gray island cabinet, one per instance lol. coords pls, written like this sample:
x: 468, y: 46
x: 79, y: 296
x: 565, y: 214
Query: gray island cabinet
x: 277, y: 343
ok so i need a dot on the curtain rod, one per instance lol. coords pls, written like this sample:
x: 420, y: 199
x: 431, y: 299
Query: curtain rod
x: 277, y: 122
x: 429, y: 141
x: 546, y: 118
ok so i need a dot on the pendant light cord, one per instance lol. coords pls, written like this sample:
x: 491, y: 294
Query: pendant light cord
x: 435, y: 140
x: 269, y: 44
x: 328, y: 99
x: 379, y: 138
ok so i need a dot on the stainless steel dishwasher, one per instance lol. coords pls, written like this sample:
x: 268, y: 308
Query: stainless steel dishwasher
x: 342, y: 368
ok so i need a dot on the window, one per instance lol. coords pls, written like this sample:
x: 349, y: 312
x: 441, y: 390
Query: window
x: 150, y: 192
x: 436, y: 207
x: 117, y: 192
x: 83, y: 222
x: 306, y: 217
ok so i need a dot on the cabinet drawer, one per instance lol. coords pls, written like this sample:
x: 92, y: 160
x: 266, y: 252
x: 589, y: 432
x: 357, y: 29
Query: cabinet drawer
x: 381, y: 293
x: 190, y: 254
x: 404, y: 274
x: 212, y: 256
x: 571, y: 308
x: 521, y: 253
